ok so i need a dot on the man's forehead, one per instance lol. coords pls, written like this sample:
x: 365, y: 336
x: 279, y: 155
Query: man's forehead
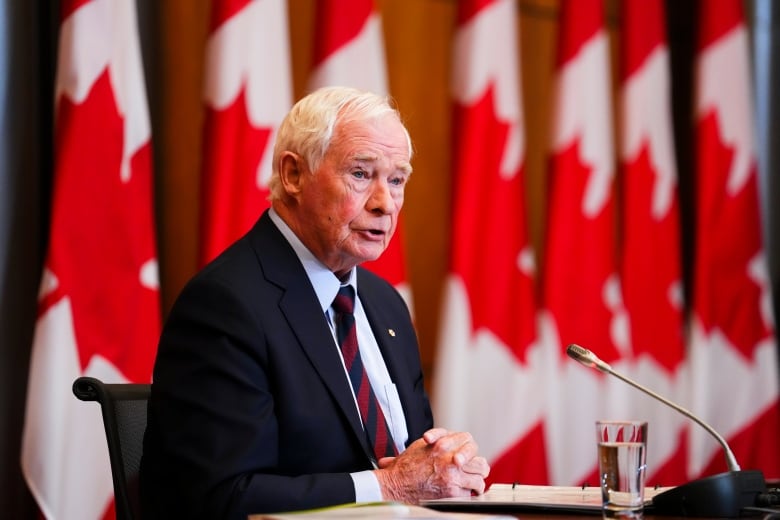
x: 368, y: 140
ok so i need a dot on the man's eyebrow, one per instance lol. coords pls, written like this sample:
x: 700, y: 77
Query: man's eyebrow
x: 404, y: 166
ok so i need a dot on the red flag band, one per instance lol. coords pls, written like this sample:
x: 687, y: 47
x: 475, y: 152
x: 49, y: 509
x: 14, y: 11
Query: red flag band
x: 733, y: 327
x: 486, y: 357
x: 99, y: 308
x: 247, y: 45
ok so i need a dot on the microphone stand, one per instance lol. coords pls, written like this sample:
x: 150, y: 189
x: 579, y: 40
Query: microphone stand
x: 721, y: 495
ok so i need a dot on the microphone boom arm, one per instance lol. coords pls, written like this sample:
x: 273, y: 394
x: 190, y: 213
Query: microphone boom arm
x: 731, y: 461
x: 589, y: 359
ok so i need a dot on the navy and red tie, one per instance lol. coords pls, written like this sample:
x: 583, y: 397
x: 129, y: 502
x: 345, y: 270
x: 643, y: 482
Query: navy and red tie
x: 374, y: 422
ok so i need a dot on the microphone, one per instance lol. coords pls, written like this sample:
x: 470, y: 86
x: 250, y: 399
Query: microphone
x: 589, y: 359
x: 721, y: 495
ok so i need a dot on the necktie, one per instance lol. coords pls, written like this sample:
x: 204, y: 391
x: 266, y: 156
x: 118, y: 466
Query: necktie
x: 370, y: 412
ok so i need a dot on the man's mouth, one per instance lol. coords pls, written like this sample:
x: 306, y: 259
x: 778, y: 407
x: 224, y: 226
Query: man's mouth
x: 373, y: 233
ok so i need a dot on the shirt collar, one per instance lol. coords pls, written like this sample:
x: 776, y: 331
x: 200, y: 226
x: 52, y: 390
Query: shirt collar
x: 325, y: 283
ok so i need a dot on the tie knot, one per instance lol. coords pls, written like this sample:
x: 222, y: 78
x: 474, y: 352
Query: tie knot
x: 344, y: 303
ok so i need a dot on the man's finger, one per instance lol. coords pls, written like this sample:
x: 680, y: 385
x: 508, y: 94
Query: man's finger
x: 434, y: 434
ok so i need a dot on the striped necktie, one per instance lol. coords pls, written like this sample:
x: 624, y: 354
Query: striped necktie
x: 374, y: 423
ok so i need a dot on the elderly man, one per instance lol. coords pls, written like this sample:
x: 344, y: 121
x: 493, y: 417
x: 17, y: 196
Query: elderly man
x: 287, y: 377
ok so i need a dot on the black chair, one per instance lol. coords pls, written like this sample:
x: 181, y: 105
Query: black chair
x: 124, y: 418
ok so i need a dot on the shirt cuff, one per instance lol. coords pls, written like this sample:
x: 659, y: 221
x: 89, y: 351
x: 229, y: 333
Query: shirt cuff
x: 366, y: 487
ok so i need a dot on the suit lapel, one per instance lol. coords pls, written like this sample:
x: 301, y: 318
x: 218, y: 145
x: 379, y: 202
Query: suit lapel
x: 301, y: 309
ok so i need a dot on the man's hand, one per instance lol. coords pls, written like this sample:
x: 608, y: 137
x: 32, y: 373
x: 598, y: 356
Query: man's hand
x: 440, y: 464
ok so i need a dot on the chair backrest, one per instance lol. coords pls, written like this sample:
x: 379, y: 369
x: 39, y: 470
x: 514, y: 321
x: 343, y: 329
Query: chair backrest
x: 124, y: 419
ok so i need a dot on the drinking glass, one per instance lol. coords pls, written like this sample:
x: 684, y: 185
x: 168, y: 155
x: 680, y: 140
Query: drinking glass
x: 622, y: 451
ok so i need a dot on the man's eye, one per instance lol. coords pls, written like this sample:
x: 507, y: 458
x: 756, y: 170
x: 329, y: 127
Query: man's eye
x: 359, y: 174
x: 398, y: 181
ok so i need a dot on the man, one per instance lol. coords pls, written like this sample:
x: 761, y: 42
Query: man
x: 252, y: 407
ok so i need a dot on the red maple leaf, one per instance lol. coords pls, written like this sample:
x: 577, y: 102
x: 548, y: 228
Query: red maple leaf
x: 728, y: 238
x: 579, y: 257
x: 651, y: 267
x: 490, y: 229
x: 102, y: 235
x: 232, y: 198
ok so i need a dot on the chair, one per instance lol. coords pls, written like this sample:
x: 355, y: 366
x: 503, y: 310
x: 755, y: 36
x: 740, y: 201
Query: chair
x: 124, y: 418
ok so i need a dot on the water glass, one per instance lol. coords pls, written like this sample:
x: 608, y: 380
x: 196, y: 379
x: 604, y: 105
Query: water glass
x: 622, y: 451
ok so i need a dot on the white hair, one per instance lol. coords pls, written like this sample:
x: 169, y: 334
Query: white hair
x: 308, y: 128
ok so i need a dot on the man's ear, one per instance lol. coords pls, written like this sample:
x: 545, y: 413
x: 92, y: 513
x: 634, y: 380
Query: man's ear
x: 291, y: 173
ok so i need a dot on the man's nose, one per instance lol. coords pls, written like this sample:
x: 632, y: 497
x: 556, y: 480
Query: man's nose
x: 381, y: 199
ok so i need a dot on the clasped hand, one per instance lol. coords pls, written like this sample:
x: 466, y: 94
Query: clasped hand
x: 440, y: 464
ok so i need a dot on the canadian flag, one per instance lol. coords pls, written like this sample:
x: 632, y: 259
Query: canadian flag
x: 349, y: 32
x: 248, y: 91
x: 488, y: 361
x: 581, y: 291
x: 651, y: 262
x: 99, y: 308
x: 733, y: 348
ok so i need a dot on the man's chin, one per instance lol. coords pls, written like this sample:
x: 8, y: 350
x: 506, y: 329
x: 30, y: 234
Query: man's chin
x: 371, y: 254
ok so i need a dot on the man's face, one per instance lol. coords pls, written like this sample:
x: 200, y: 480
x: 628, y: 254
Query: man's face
x: 349, y: 207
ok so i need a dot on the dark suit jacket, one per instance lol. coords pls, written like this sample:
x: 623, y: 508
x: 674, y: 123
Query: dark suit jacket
x: 251, y: 410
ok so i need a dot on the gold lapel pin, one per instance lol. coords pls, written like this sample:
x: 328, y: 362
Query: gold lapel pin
x: 391, y: 332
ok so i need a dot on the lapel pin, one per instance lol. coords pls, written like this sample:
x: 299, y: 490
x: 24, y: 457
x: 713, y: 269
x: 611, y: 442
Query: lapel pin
x: 391, y: 332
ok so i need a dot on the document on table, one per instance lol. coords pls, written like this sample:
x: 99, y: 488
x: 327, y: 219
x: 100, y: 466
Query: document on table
x: 507, y: 497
